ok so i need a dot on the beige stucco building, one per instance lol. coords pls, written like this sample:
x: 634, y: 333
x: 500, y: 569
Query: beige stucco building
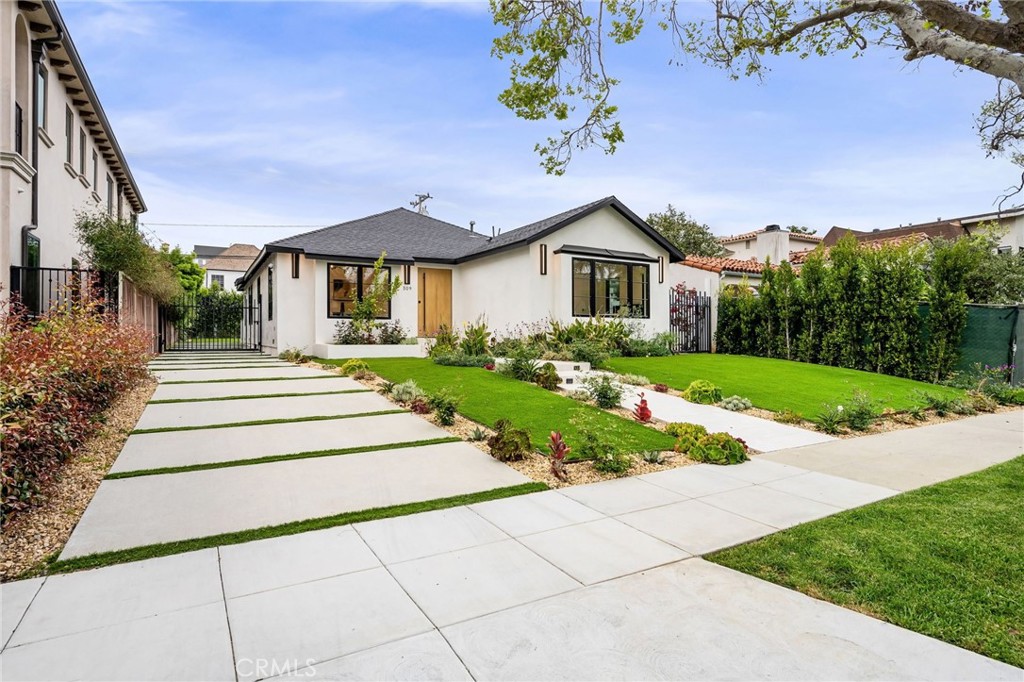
x: 58, y: 152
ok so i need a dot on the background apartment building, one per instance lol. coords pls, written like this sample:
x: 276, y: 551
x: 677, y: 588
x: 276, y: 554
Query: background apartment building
x: 58, y: 152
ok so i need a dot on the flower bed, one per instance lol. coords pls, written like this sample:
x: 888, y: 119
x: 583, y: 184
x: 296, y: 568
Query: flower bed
x: 58, y: 373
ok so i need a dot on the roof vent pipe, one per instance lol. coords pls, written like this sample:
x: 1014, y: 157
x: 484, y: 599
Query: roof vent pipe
x: 772, y: 228
x: 472, y: 224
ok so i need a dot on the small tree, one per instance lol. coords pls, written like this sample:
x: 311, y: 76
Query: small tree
x: 190, y: 273
x: 376, y: 297
x: 789, y: 308
x: 815, y: 300
x: 689, y: 236
x: 951, y: 264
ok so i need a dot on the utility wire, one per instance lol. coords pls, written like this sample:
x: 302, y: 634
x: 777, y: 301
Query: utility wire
x: 228, y: 225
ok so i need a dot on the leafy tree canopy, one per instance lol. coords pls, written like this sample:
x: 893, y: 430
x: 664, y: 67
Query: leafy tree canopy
x: 995, y: 277
x: 689, y: 236
x: 801, y: 229
x: 190, y: 273
x: 556, y: 52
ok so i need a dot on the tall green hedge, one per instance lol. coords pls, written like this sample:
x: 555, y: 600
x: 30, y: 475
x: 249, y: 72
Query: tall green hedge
x: 855, y: 307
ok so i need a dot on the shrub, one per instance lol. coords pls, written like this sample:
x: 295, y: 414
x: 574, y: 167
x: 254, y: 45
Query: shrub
x: 641, y: 412
x: 444, y: 404
x: 788, y: 416
x: 653, y: 456
x: 476, y: 339
x: 363, y: 375
x: 942, y: 405
x: 830, y: 420
x: 293, y: 355
x: 702, y: 392
x: 547, y: 377
x: 1010, y: 396
x: 419, y: 405
x: 588, y: 351
x: 391, y: 333
x: 634, y: 379
x: 348, y: 334
x: 659, y: 346
x: 386, y: 388
x: 446, y: 341
x: 612, y: 462
x: 521, y: 365
x: 592, y: 443
x: 981, y: 402
x: 508, y: 443
x: 660, y: 388
x: 860, y: 412
x: 407, y: 391
x: 460, y: 359
x: 559, y: 450
x: 352, y: 366
x: 735, y: 403
x: 58, y: 374
x: 489, y: 366
x: 718, y: 448
x: 680, y: 429
x: 603, y: 389
x: 580, y: 394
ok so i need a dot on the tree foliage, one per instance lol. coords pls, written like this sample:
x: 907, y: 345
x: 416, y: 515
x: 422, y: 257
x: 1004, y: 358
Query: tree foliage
x: 556, y: 52
x: 113, y: 245
x: 995, y: 277
x: 190, y: 273
x: 689, y: 236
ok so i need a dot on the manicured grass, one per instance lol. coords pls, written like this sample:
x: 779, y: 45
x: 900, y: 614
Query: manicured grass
x: 231, y: 381
x: 281, y: 458
x: 171, y: 401
x: 264, y: 422
x: 945, y: 561
x: 488, y: 397
x: 168, y: 548
x: 778, y: 384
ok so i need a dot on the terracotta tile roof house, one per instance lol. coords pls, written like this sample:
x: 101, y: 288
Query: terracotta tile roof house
x: 753, y: 235
x: 750, y: 266
x: 1011, y: 221
x: 235, y: 258
x: 943, y: 229
x: 798, y: 257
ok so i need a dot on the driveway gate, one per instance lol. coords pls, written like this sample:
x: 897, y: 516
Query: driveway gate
x: 215, y: 320
x: 690, y: 321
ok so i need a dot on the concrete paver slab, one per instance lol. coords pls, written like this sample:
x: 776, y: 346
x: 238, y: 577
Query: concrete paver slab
x: 188, y: 644
x: 421, y: 657
x: 911, y: 458
x: 472, y: 582
x: 186, y: 448
x: 76, y: 602
x: 222, y: 362
x: 694, y: 620
x: 293, y: 372
x: 279, y: 562
x: 696, y: 527
x: 621, y: 495
x: 770, y: 507
x: 14, y: 600
x: 247, y: 388
x: 152, y: 509
x: 760, y: 434
x: 600, y: 550
x: 839, y: 492
x: 759, y: 470
x: 534, y: 513
x: 418, y: 535
x: 233, y: 411
x: 303, y: 624
x: 695, y: 481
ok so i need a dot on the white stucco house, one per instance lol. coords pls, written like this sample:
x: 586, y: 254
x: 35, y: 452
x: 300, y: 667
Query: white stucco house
x: 226, y: 265
x: 58, y: 152
x: 596, y: 259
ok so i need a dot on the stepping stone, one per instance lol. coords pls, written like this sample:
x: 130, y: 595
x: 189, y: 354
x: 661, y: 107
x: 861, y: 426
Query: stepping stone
x: 536, y: 512
x: 621, y: 495
x: 290, y: 372
x: 769, y: 506
x: 413, y: 537
x: 246, y: 388
x: 234, y: 411
x: 696, y: 527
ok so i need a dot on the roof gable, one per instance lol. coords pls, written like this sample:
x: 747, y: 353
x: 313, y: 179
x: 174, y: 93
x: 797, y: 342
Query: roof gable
x: 235, y: 258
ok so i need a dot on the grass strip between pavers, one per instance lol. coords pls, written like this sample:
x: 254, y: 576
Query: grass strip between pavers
x: 200, y: 369
x: 231, y: 381
x: 264, y: 422
x: 171, y: 401
x: 167, y: 548
x: 281, y: 458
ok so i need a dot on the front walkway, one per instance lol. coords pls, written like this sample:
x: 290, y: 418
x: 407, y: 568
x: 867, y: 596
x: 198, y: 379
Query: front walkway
x: 592, y: 582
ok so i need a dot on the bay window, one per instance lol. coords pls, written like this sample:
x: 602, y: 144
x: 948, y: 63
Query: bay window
x: 609, y: 288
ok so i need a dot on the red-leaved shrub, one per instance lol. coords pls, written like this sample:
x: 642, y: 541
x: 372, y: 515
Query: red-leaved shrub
x: 58, y: 373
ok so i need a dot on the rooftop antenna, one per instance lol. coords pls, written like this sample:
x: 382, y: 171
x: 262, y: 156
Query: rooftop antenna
x: 421, y: 203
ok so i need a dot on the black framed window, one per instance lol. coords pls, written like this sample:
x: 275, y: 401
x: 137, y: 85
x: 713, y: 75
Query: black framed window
x: 346, y: 285
x: 19, y: 129
x: 270, y: 292
x: 610, y: 288
x: 218, y: 281
x: 81, y: 151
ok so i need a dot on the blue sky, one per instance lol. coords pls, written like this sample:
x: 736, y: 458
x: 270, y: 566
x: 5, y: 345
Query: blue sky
x: 315, y: 113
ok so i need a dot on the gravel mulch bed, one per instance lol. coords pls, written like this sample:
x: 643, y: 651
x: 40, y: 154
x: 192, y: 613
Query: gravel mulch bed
x: 37, y: 533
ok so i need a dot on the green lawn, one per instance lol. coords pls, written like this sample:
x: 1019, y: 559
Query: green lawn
x: 778, y: 384
x: 945, y: 561
x: 488, y: 397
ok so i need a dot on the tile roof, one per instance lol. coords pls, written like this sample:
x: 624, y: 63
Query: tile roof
x: 944, y: 229
x: 235, y: 258
x: 753, y: 235
x: 718, y: 264
x: 798, y: 257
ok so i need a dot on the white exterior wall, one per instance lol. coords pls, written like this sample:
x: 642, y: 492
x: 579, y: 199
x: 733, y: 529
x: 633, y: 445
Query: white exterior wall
x: 63, y: 190
x: 229, y: 278
x: 776, y: 245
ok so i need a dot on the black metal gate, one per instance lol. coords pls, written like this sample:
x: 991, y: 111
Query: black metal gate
x: 690, y: 321
x: 211, y: 320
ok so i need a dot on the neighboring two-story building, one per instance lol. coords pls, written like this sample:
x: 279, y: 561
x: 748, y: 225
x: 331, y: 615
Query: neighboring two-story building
x: 224, y: 265
x: 58, y: 152
x: 1010, y: 225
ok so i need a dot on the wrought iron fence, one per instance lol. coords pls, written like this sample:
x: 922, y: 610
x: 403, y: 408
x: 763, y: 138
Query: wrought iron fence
x: 690, y: 321
x: 42, y: 289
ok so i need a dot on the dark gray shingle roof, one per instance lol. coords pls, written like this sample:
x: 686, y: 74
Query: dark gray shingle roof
x: 526, y: 232
x: 403, y: 234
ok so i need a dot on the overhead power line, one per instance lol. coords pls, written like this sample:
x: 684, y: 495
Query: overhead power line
x: 226, y: 225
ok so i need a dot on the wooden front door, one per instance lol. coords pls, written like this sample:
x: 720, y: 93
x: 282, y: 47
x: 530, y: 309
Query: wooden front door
x: 435, y: 300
